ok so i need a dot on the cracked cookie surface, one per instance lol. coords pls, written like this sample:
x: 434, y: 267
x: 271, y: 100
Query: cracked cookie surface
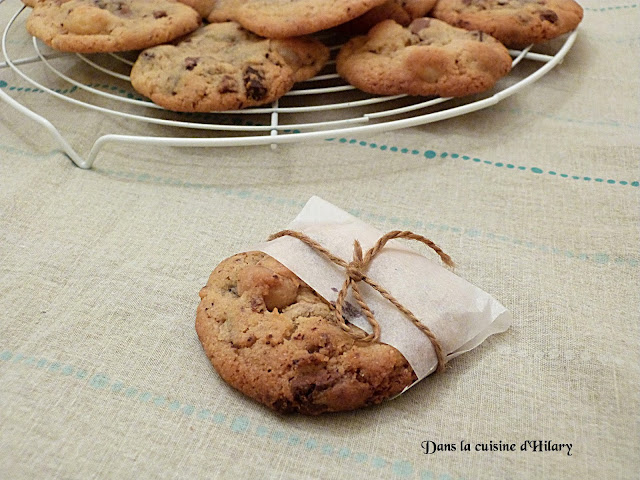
x: 516, y: 23
x: 94, y: 26
x: 274, y: 339
x: 222, y: 67
x: 428, y: 57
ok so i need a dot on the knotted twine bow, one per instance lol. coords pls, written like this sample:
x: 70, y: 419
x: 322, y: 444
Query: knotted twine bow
x: 355, y: 271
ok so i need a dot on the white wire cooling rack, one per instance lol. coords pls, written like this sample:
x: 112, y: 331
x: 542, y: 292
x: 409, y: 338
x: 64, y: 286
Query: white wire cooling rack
x: 321, y: 108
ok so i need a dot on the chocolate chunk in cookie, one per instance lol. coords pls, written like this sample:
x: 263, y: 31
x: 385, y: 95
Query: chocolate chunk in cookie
x: 428, y: 57
x: 274, y: 339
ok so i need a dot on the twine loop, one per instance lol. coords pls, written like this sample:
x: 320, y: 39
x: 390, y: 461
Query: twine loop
x: 356, y: 272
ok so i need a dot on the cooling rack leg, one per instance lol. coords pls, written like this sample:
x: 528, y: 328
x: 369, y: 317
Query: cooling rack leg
x: 274, y: 124
x: 71, y: 153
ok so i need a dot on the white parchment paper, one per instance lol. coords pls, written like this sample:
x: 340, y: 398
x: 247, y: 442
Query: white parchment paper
x: 459, y: 314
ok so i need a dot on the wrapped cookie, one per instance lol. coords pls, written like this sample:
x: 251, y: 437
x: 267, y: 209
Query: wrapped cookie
x: 332, y: 315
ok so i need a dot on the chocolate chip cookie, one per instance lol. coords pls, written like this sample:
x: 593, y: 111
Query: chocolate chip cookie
x: 203, y: 7
x: 402, y: 11
x: 516, y: 23
x: 222, y: 67
x: 274, y: 339
x: 223, y: 10
x: 290, y: 18
x: 92, y: 26
x: 429, y: 57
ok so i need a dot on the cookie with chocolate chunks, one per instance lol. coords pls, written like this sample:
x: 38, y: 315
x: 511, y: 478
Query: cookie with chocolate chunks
x: 273, y: 338
x: 222, y: 67
x: 516, y: 23
x: 93, y: 26
x: 428, y: 57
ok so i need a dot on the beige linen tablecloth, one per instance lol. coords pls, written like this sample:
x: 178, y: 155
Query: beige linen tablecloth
x: 536, y: 199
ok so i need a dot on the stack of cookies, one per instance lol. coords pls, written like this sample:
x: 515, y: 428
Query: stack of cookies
x: 215, y: 55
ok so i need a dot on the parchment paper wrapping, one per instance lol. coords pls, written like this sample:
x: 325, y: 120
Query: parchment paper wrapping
x: 459, y: 314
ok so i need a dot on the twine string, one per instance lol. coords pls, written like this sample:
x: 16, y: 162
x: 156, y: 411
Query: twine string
x: 356, y: 272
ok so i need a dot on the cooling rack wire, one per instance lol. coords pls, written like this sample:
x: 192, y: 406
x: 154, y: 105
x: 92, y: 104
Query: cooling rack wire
x: 321, y: 108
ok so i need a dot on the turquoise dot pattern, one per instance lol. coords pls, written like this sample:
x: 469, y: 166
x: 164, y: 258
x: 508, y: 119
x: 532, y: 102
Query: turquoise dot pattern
x: 239, y: 425
x: 611, y: 8
x: 430, y: 154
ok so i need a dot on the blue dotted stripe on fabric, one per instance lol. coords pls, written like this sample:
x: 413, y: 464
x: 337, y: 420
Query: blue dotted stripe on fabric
x: 64, y: 91
x: 25, y: 153
x: 4, y: 84
x: 238, y: 425
x: 115, y: 89
x: 430, y: 154
x: 611, y: 8
x: 601, y: 258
